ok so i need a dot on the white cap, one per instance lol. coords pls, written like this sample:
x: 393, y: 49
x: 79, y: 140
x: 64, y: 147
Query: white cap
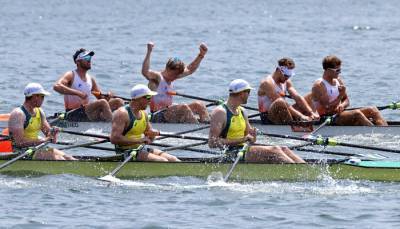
x: 141, y: 90
x: 34, y: 89
x: 83, y: 54
x: 239, y: 85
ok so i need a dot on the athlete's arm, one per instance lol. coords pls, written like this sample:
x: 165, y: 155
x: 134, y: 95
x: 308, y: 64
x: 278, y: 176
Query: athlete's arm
x: 63, y: 86
x: 146, y: 71
x: 217, y: 124
x: 192, y: 67
x: 298, y: 98
x: 120, y: 121
x: 268, y: 89
x: 16, y: 128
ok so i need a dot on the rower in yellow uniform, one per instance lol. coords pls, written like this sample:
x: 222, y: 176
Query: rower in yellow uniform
x: 28, y: 120
x: 131, y: 127
x: 230, y: 129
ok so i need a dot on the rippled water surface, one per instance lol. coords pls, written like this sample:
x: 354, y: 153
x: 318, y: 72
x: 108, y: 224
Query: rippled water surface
x: 245, y: 39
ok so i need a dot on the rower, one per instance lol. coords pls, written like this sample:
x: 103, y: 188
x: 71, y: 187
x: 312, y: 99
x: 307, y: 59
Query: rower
x: 77, y: 87
x: 28, y: 120
x: 328, y: 97
x: 131, y: 127
x: 271, y: 97
x: 162, y: 82
x: 230, y: 129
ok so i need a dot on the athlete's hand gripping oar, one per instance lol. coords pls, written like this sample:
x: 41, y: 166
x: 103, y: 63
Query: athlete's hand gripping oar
x: 327, y: 142
x: 240, y: 154
x: 30, y: 151
x: 392, y: 106
x: 119, y: 167
x: 204, y: 99
x: 98, y: 93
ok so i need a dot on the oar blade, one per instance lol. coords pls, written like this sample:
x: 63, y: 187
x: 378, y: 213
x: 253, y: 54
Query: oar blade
x: 4, y: 117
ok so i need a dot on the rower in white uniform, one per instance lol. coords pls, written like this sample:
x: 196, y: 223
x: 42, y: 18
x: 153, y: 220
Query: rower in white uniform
x: 271, y: 97
x: 78, y: 85
x: 328, y: 97
x: 162, y: 82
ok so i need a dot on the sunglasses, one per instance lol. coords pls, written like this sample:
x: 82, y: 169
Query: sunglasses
x: 148, y: 97
x: 336, y: 70
x: 87, y: 58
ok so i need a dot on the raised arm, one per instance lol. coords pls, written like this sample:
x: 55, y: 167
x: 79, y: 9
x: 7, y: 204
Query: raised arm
x: 146, y: 71
x: 192, y: 67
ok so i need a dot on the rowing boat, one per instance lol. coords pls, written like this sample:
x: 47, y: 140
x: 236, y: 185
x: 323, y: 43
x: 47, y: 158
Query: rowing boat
x: 392, y: 129
x: 206, y: 168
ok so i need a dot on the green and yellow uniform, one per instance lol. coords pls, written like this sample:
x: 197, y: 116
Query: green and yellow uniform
x: 235, y: 128
x: 32, y: 127
x: 135, y: 130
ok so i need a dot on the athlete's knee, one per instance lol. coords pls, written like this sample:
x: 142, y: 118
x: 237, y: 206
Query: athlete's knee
x: 358, y: 114
x: 198, y: 105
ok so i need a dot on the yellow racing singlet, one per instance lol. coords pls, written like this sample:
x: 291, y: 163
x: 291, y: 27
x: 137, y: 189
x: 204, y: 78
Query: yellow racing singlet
x: 235, y: 127
x: 32, y: 124
x: 135, y: 128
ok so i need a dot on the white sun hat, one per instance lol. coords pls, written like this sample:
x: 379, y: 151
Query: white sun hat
x: 34, y: 89
x: 141, y: 90
x: 239, y: 85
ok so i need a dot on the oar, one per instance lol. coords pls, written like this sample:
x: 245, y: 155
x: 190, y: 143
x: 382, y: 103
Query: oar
x: 183, y: 136
x: 189, y: 149
x: 369, y: 156
x: 184, y: 146
x: 27, y: 152
x: 240, y: 154
x: 204, y: 99
x: 393, y: 106
x: 84, y: 144
x: 327, y: 142
x: 327, y: 121
x: 85, y: 134
x: 185, y: 131
x: 98, y: 93
x: 119, y: 167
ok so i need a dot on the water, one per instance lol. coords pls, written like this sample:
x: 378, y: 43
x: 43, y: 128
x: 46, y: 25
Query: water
x: 245, y: 39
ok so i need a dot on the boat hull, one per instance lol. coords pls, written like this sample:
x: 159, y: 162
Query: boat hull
x: 243, y: 171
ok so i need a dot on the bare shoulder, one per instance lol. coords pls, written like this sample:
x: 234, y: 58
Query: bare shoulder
x: 265, y: 84
x: 16, y: 117
x: 218, y: 114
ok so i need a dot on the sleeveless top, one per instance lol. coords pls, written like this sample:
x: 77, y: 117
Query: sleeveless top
x: 73, y: 101
x: 264, y: 102
x: 162, y: 99
x: 32, y: 124
x: 135, y: 129
x: 333, y: 94
x: 235, y: 124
